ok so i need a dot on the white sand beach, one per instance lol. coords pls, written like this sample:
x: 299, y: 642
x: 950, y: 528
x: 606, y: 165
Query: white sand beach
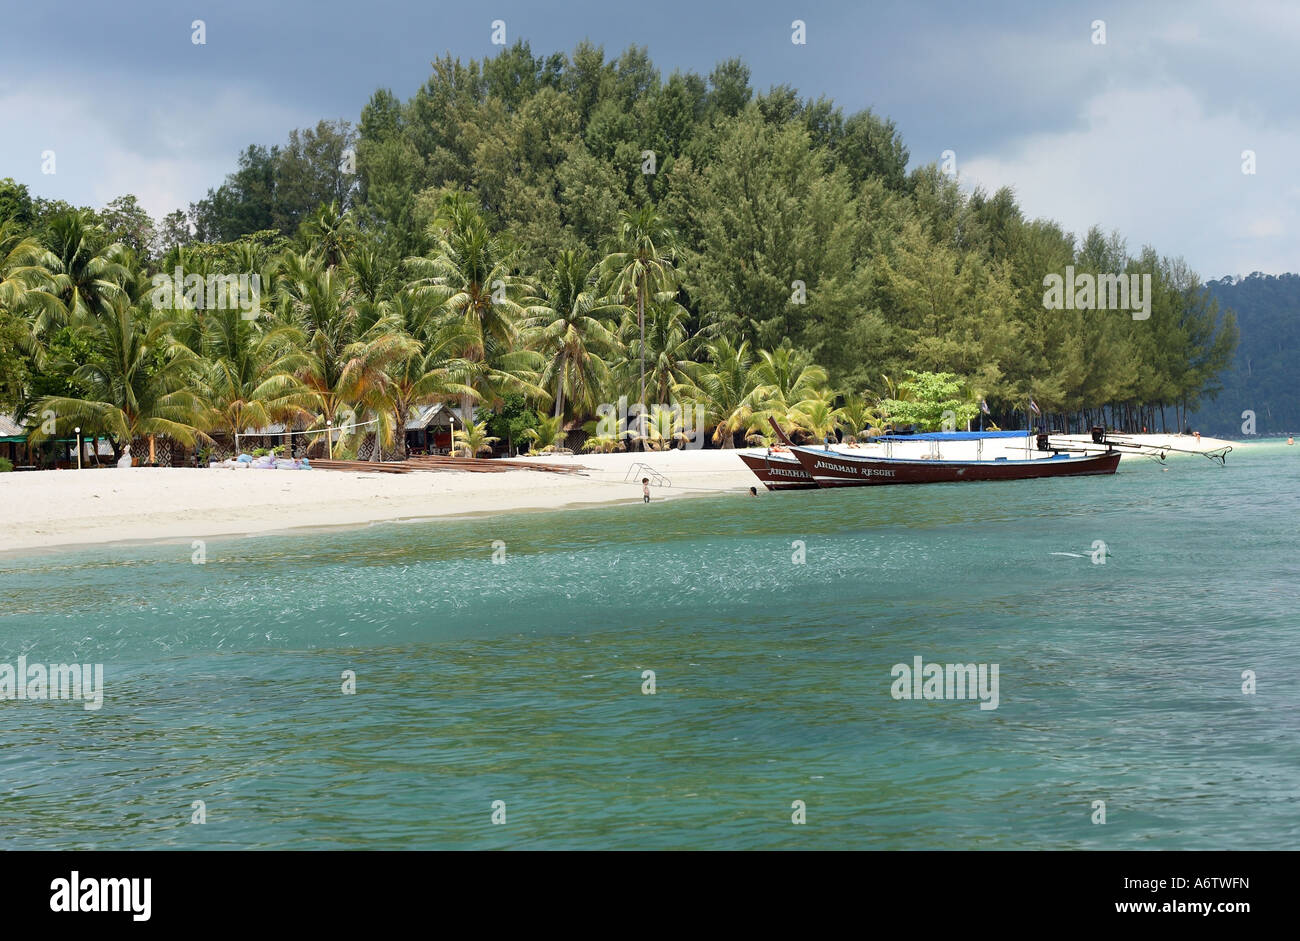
x: 68, y: 507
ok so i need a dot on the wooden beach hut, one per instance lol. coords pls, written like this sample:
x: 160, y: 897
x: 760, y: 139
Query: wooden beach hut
x: 429, y: 430
x: 13, y: 443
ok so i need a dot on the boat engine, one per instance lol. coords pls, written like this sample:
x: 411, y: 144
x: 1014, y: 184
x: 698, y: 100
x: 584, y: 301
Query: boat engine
x: 1098, y: 434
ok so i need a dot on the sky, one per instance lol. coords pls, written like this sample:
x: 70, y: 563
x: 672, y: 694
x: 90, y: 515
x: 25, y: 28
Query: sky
x: 1143, y: 133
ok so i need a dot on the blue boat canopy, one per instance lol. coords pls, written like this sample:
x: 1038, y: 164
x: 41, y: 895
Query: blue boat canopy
x: 955, y: 436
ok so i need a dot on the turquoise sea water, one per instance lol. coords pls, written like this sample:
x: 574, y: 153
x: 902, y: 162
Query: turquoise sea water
x: 522, y: 682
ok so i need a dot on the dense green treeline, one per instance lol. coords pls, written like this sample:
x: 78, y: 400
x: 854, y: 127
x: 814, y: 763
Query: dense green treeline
x: 561, y: 226
x: 1262, y: 378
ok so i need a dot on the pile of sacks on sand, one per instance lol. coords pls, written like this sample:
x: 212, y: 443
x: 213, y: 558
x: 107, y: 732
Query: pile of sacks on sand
x: 265, y: 462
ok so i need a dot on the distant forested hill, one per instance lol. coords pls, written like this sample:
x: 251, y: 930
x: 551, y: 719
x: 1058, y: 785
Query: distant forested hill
x: 1265, y: 369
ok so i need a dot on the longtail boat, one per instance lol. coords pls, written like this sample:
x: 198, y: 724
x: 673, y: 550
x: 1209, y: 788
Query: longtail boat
x: 1102, y: 440
x: 838, y: 469
x: 779, y: 471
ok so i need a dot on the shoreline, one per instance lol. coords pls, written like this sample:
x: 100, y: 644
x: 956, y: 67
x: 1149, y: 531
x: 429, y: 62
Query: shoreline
x: 69, y: 509
x: 303, y: 529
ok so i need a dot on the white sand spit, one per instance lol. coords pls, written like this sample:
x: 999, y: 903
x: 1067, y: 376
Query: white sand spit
x: 54, y: 508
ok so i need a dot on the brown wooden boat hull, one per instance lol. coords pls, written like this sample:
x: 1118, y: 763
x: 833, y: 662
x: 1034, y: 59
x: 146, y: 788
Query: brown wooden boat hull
x: 779, y: 473
x: 834, y: 469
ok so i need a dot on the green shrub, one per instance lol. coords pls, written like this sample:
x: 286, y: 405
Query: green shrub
x: 6, y: 465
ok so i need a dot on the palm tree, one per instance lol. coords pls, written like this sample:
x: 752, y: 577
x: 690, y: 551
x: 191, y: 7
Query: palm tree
x: 817, y: 415
x: 329, y: 234
x: 427, y: 371
x: 785, y: 375
x: 663, y: 428
x: 642, y: 264
x: 473, y: 439
x: 86, y: 277
x: 724, y: 387
x: 470, y: 277
x: 668, y: 344
x: 604, y: 437
x: 336, y: 370
x: 25, y: 284
x: 547, y: 436
x: 139, y: 381
x: 247, y: 381
x: 783, y: 378
x: 602, y: 444
x: 22, y: 272
x: 357, y: 378
x: 857, y: 417
x: 371, y: 271
x: 188, y: 320
x: 900, y: 392
x: 563, y: 325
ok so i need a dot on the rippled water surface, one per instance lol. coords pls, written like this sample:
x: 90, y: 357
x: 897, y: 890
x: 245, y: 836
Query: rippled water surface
x: 522, y: 682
